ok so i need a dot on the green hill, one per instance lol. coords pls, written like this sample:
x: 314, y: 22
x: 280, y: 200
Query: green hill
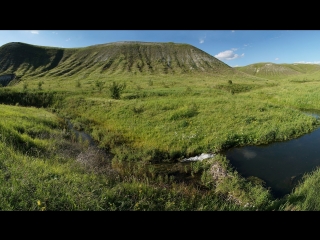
x: 279, y: 71
x: 112, y: 58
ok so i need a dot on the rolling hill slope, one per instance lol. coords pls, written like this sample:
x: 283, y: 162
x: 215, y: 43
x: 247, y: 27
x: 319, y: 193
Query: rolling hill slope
x: 278, y: 71
x: 113, y: 58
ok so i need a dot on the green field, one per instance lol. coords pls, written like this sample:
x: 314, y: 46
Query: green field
x: 158, y: 119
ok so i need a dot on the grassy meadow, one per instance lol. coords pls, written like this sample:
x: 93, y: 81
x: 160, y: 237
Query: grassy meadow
x: 157, y: 120
x: 144, y: 123
x: 42, y: 170
x: 167, y: 119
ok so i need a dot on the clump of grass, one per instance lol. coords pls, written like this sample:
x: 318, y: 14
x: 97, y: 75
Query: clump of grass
x: 305, y: 196
x: 236, y: 88
x: 219, y: 175
x: 99, y: 84
x: 116, y: 89
x: 40, y: 83
x: 185, y: 112
x: 78, y: 84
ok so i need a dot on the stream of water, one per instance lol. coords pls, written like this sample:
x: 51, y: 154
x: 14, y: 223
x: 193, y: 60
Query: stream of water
x: 81, y: 134
x: 281, y: 164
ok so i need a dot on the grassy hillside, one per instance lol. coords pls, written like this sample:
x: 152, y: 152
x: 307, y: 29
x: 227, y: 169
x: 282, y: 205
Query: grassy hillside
x: 113, y: 58
x: 25, y: 59
x: 281, y: 71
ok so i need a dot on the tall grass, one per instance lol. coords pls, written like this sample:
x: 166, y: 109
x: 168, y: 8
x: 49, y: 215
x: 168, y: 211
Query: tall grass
x: 305, y: 197
x: 183, y: 124
x: 67, y: 174
x: 44, y: 167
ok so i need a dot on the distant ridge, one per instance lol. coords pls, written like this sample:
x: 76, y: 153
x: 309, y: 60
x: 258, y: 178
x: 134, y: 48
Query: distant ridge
x: 275, y: 71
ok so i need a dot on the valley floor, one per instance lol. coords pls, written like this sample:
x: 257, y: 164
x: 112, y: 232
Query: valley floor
x: 141, y: 138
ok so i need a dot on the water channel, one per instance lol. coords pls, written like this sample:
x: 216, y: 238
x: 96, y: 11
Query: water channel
x: 281, y: 164
x: 80, y: 134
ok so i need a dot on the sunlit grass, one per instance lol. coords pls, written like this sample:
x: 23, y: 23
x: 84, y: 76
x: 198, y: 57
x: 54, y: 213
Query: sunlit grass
x: 157, y: 119
x: 53, y: 181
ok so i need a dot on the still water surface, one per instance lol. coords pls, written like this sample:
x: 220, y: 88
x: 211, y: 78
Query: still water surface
x: 281, y: 164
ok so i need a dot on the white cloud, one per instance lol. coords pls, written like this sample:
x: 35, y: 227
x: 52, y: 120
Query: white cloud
x: 315, y: 62
x: 245, y: 45
x: 68, y: 39
x: 233, y: 31
x: 34, y: 31
x: 54, y: 32
x: 201, y: 40
x: 228, y: 55
x: 276, y: 59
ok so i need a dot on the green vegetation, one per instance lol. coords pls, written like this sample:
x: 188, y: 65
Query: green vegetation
x: 43, y: 168
x: 116, y: 89
x: 146, y: 113
x: 280, y: 71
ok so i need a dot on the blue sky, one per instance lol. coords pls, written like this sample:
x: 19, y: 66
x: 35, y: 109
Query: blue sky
x: 233, y: 47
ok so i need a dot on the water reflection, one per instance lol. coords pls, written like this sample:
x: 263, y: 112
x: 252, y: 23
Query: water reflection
x: 282, y: 164
x: 249, y: 153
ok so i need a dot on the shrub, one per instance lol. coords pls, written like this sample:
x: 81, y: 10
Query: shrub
x: 25, y: 86
x: 99, y: 85
x: 40, y: 85
x: 78, y: 84
x: 116, y: 89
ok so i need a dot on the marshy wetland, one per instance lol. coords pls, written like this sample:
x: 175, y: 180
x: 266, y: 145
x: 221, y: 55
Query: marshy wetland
x: 144, y: 117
